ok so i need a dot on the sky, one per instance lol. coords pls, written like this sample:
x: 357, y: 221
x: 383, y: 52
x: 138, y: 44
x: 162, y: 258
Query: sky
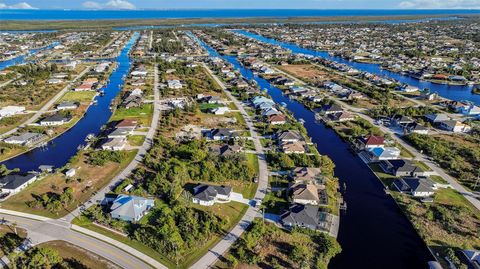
x: 239, y: 4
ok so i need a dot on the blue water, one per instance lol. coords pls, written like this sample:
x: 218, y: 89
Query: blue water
x: 374, y: 233
x: 452, y: 92
x: 207, y: 13
x: 22, y: 58
x: 58, y: 151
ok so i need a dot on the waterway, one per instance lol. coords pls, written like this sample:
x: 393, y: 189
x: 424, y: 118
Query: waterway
x: 58, y: 151
x: 23, y: 58
x: 373, y: 233
x: 453, y: 92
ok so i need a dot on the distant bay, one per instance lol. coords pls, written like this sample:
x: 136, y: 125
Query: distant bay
x: 10, y: 14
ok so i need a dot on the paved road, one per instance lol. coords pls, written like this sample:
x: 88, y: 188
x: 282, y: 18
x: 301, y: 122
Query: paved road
x: 471, y: 197
x: 219, y: 249
x: 147, y: 144
x: 44, y: 231
x: 50, y: 103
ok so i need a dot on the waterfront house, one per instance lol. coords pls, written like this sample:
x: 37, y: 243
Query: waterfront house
x: 276, y: 119
x: 371, y: 141
x: 295, y: 147
x: 417, y: 187
x: 340, y: 117
x: 119, y: 133
x: 83, y: 87
x: 14, y: 182
x: 207, y: 195
x: 307, y: 175
x: 331, y: 109
x: 25, y: 139
x: 67, y: 106
x: 130, y: 208
x: 55, y: 120
x: 470, y: 110
x: 408, y: 88
x: 401, y: 121
x: 288, y: 136
x: 114, y: 144
x: 382, y: 153
x: 127, y: 124
x: 305, y: 194
x: 259, y: 100
x: 70, y: 172
x: 401, y: 168
x: 304, y: 216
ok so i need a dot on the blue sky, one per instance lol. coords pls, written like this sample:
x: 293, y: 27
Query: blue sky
x: 244, y: 4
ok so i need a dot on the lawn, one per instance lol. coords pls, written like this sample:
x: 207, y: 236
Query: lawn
x: 136, y: 140
x: 275, y: 202
x: 85, y: 96
x: 143, y: 114
x: 87, y: 180
x: 71, y: 252
x: 206, y: 106
x: 8, y: 123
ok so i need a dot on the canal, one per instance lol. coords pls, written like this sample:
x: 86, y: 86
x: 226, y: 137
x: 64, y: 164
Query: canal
x: 453, y: 92
x: 373, y: 233
x: 58, y: 151
x: 23, y: 58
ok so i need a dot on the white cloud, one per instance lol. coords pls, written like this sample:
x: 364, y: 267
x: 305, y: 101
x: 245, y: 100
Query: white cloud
x: 112, y: 4
x: 440, y: 4
x: 21, y: 5
x: 91, y: 5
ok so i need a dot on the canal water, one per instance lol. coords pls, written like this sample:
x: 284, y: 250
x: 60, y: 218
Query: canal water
x: 452, y: 92
x: 58, y: 151
x: 22, y: 58
x: 373, y: 233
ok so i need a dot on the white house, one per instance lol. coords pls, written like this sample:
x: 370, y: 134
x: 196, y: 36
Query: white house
x: 220, y: 110
x: 70, y: 172
x: 15, y: 182
x: 174, y: 84
x: 207, y: 195
x: 11, y: 110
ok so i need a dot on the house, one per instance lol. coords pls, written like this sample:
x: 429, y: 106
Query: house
x: 341, y: 117
x: 288, y: 136
x: 174, y: 84
x: 455, y: 126
x: 276, y: 119
x: 126, y: 124
x: 401, y: 121
x: 470, y: 110
x: 416, y: 128
x: 331, y: 109
x: 226, y: 150
x: 304, y: 216
x: 13, y: 183
x: 401, y: 168
x: 382, y: 153
x: 298, y: 90
x: 114, y: 144
x: 417, y: 187
x: 130, y: 208
x: 267, y: 112
x: 295, y: 147
x: 219, y: 110
x: 473, y: 257
x: 306, y: 175
x: 207, y: 195
x: 408, y: 88
x: 11, y: 110
x: 437, y: 118
x: 55, y: 120
x: 54, y: 81
x: 83, y: 87
x: 371, y: 141
x: 223, y: 134
x: 25, y: 139
x: 213, y: 100
x: 67, y: 105
x: 70, y: 172
x: 258, y: 100
x: 305, y: 194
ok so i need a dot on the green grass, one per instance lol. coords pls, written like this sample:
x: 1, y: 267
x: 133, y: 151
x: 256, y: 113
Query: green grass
x: 136, y: 140
x: 274, y: 204
x: 438, y: 179
x: 423, y: 166
x: 405, y: 153
x: 206, y: 106
x: 84, y: 96
x: 143, y: 113
x: 253, y: 161
x: 452, y: 197
x: 87, y: 224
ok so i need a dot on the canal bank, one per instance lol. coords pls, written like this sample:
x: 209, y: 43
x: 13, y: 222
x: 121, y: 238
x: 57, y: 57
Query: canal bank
x: 374, y: 233
x: 58, y: 151
x: 453, y: 92
x: 23, y: 58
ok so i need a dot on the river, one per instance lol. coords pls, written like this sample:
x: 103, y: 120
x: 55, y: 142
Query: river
x: 452, y: 92
x: 58, y: 151
x: 374, y: 233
